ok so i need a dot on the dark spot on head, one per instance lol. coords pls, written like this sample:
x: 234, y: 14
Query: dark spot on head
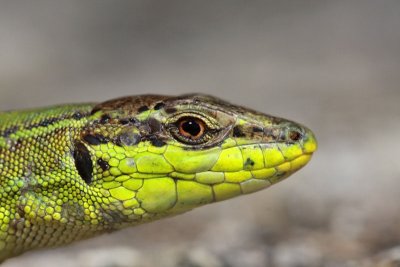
x: 257, y: 129
x: 249, y: 162
x: 124, y: 121
x: 154, y: 124
x: 133, y: 120
x: 127, y: 138
x: 143, y: 109
x: 83, y: 161
x: 159, y: 105
x: 237, y: 132
x: 105, y: 118
x: 95, y: 139
x: 117, y: 141
x: 77, y: 115
x: 157, y: 142
x: 103, y: 164
x: 170, y: 110
x: 295, y: 135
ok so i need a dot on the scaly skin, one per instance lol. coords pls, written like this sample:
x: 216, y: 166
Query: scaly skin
x: 74, y: 171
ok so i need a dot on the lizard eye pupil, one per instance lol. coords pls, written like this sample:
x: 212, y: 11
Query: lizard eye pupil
x: 192, y: 128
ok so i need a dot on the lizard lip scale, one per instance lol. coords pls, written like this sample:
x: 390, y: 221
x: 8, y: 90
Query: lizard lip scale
x: 71, y: 172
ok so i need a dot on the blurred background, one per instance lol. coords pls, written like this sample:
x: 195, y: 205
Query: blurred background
x: 331, y: 65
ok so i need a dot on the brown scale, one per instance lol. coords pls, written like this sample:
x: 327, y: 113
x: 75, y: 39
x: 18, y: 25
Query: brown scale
x: 130, y: 105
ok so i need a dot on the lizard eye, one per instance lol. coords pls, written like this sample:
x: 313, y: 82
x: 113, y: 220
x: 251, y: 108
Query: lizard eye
x: 190, y: 127
x: 194, y: 129
x: 191, y: 130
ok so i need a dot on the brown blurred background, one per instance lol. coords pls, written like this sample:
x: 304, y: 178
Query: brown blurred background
x: 332, y: 65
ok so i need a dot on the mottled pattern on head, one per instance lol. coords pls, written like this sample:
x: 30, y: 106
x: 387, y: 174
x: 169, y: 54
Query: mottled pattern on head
x: 152, y: 126
x: 132, y: 105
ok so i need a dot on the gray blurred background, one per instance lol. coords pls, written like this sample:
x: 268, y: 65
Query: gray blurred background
x: 332, y: 65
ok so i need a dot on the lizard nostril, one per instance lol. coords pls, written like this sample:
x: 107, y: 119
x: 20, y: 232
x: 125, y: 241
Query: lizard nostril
x: 294, y: 135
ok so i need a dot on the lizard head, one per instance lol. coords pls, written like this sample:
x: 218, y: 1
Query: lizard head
x: 155, y: 156
x: 72, y: 171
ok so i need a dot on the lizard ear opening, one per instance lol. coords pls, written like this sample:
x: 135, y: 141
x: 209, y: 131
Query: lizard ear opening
x: 83, y: 162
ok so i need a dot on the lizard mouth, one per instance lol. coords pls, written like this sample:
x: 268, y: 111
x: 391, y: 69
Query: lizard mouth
x: 256, y: 179
x: 239, y: 164
x: 274, y: 164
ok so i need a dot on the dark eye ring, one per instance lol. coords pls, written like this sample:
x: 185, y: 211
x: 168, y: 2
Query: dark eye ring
x: 191, y: 127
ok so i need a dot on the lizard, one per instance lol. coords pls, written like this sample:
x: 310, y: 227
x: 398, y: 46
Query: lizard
x: 70, y: 172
